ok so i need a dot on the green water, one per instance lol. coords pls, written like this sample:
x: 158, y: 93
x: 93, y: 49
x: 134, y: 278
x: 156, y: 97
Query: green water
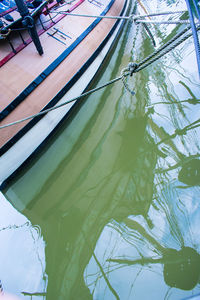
x: 110, y: 208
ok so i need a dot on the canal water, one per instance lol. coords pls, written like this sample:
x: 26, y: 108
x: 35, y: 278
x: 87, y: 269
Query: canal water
x: 110, y: 207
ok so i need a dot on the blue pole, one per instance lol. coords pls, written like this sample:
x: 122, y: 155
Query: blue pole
x: 195, y: 35
x: 197, y: 8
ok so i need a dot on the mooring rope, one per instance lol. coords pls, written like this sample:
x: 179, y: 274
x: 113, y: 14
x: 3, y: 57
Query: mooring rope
x: 128, y: 71
x: 93, y: 16
x: 137, y: 21
x: 154, y: 56
x: 64, y: 103
x: 134, y: 67
x: 161, y: 14
x: 131, y: 17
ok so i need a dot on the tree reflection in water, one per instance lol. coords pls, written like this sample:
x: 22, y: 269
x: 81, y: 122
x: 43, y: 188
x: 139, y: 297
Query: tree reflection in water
x: 173, y: 248
x: 124, y: 202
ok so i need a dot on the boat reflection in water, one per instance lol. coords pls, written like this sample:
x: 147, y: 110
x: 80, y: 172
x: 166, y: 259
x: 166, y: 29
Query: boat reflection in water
x: 118, y: 208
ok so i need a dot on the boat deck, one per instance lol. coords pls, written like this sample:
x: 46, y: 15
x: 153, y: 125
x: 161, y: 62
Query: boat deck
x: 26, y: 66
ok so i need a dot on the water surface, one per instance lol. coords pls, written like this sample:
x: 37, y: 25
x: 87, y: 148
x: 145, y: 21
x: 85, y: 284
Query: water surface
x: 110, y: 208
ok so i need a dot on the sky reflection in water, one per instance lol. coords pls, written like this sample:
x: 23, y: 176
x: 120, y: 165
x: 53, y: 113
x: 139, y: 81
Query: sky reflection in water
x: 114, y: 199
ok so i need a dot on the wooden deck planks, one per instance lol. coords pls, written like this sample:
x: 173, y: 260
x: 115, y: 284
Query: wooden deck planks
x: 62, y: 74
x: 23, y: 68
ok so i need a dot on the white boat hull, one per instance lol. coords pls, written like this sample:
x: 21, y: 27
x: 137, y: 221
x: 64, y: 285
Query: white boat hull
x: 20, y: 153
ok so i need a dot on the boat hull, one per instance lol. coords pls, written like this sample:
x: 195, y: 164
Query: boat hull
x: 23, y: 145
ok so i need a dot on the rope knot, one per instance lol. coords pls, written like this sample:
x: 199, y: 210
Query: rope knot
x: 132, y: 67
x: 129, y: 70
